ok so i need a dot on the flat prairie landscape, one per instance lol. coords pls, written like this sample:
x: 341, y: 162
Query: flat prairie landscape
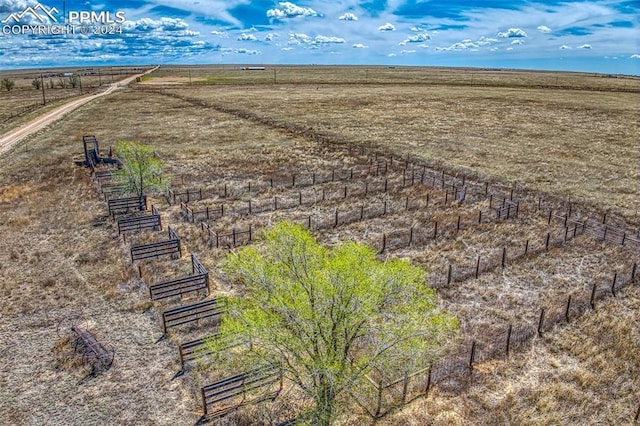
x: 518, y: 192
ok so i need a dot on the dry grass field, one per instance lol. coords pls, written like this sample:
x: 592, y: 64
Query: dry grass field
x: 62, y: 262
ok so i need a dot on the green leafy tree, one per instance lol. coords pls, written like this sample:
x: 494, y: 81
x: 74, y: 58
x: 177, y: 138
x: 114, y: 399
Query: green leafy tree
x: 36, y: 83
x: 141, y: 168
x: 7, y: 84
x: 328, y: 316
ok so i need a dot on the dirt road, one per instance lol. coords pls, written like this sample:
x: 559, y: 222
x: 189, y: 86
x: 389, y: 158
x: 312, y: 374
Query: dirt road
x: 11, y: 138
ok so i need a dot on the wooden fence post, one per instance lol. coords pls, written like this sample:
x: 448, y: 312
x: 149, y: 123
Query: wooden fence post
x: 473, y: 355
x: 633, y: 273
x: 546, y: 245
x: 335, y: 223
x: 504, y: 256
x: 449, y: 273
x: 345, y: 191
x: 384, y: 243
x: 479, y: 217
x: 458, y: 225
x: 550, y: 213
x: 526, y: 248
x: 293, y: 180
x: 613, y: 284
x: 379, y: 408
x: 508, y: 340
x: 592, y: 301
x: 385, y: 185
x: 566, y: 311
x: 410, y: 235
x: 426, y: 388
x: 384, y: 212
x: 435, y: 229
x: 541, y: 322
x: 478, y: 267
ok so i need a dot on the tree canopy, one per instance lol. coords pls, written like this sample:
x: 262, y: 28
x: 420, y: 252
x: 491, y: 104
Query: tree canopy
x: 329, y: 316
x: 141, y: 168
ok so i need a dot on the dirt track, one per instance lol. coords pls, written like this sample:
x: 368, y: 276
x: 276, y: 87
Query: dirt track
x: 11, y: 138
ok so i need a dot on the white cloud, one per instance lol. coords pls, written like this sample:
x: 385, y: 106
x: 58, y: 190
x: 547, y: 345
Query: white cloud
x: 391, y: 55
x: 463, y: 45
x: 221, y: 34
x: 247, y: 51
x: 417, y: 38
x: 565, y: 47
x: 512, y: 32
x: 359, y: 46
x: 518, y: 41
x: 585, y: 46
x: 348, y: 17
x: 387, y: 27
x: 285, y: 49
x: 406, y: 52
x: 289, y: 10
x: 544, y: 29
x: 270, y: 36
x: 247, y: 37
x: 320, y: 39
x: 635, y: 56
x: 486, y: 41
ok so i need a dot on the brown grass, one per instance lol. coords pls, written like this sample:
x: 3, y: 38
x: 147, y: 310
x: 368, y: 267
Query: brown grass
x: 61, y: 261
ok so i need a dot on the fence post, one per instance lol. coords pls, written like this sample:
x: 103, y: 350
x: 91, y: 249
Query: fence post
x: 233, y: 232
x: 406, y: 205
x: 335, y: 223
x: 550, y: 213
x: 225, y: 190
x: 385, y: 185
x: 249, y: 187
x: 479, y: 217
x: 410, y: 235
x: 435, y: 229
x: 362, y: 212
x: 486, y: 188
x: 275, y: 203
x: 473, y: 355
x: 508, y: 340
x: 323, y: 195
x: 633, y: 273
x: 385, y: 209
x: 313, y: 179
x: 624, y: 236
x: 592, y: 301
x: 271, y: 182
x: 446, y: 197
x: 541, y: 322
x: 604, y: 236
x: 345, y: 191
x: 504, y: 256
x: 566, y: 312
x: 491, y: 201
x: 333, y: 175
x: 449, y: 273
x: 546, y: 245
x: 613, y: 284
x: 427, y: 201
x: 249, y: 206
x: 539, y: 203
x: 526, y: 248
x: 366, y: 188
x: 293, y: 180
x: 426, y: 389
x: 478, y: 267
x: 604, y: 218
x: 309, y: 222
x: 384, y: 243
x: 351, y: 174
x: 458, y: 225
x: 405, y: 388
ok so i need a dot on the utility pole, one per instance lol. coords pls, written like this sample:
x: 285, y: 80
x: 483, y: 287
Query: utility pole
x: 99, y: 78
x: 44, y: 100
x: 80, y: 81
x: 189, y: 76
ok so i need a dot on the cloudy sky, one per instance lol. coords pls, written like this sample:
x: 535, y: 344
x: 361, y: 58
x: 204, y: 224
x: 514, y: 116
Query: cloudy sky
x: 592, y: 35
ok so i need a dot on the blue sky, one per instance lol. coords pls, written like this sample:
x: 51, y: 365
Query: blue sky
x: 592, y: 35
